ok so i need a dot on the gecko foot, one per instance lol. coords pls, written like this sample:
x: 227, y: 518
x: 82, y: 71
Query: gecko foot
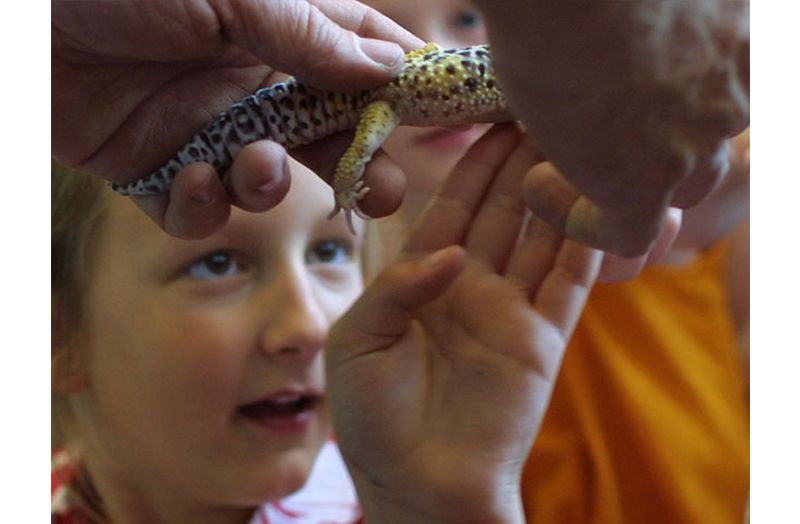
x: 348, y: 202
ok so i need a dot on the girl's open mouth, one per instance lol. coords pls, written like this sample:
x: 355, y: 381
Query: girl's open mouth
x: 282, y: 411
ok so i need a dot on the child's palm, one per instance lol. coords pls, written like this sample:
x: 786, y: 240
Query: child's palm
x: 443, y: 369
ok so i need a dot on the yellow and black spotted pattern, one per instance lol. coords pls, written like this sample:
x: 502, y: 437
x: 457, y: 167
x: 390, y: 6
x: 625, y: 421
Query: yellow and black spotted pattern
x: 437, y: 87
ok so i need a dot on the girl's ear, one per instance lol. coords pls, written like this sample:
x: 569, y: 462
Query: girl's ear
x: 66, y: 374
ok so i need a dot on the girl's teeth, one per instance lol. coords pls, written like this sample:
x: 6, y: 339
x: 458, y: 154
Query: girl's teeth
x: 284, y: 399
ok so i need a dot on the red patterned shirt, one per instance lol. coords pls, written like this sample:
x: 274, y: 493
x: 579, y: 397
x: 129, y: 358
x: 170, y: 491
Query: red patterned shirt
x: 328, y: 497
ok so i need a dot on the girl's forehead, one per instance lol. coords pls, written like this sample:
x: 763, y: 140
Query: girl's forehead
x: 309, y: 200
x: 306, y: 185
x: 408, y: 8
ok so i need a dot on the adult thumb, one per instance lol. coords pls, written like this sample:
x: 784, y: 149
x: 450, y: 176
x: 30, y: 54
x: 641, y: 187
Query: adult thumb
x: 627, y: 230
x: 330, y: 44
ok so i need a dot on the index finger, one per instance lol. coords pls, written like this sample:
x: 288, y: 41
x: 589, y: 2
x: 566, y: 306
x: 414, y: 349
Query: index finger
x: 449, y: 214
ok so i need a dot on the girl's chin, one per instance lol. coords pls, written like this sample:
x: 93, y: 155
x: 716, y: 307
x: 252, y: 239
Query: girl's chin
x: 282, y: 479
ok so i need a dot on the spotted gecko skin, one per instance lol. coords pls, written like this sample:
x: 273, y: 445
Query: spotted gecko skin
x: 436, y: 87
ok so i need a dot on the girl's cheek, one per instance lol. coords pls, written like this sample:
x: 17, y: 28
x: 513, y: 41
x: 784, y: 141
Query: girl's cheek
x: 208, y: 339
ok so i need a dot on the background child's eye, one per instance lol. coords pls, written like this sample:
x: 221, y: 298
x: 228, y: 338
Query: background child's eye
x: 216, y: 265
x: 330, y: 252
x: 467, y: 19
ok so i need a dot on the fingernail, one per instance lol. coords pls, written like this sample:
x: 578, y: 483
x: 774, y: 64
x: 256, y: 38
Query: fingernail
x: 438, y: 257
x: 203, y: 196
x: 268, y: 186
x: 275, y: 179
x: 384, y: 53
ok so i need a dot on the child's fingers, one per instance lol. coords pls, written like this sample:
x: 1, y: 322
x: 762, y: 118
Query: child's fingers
x: 495, y: 229
x: 447, y: 218
x: 383, y: 313
x: 534, y: 256
x: 565, y: 288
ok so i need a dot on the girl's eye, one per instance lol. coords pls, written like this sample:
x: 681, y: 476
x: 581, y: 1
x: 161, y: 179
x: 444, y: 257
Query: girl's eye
x: 216, y: 265
x: 467, y: 19
x: 330, y: 252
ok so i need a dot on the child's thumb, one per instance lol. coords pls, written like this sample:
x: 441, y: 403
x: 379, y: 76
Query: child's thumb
x: 384, y: 312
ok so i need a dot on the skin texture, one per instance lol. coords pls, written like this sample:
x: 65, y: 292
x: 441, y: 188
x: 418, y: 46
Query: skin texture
x: 462, y: 345
x: 175, y: 343
x: 136, y: 79
x: 633, y: 102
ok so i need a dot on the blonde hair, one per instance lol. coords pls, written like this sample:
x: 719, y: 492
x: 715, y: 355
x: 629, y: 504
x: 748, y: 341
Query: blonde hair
x: 77, y: 205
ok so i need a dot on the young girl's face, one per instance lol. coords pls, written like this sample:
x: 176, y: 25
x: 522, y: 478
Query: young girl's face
x: 205, y: 381
x: 428, y: 154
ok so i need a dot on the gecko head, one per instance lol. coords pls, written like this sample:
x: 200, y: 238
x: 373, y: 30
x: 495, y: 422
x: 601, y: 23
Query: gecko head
x: 452, y: 87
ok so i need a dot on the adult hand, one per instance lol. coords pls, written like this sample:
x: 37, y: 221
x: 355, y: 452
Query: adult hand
x: 132, y: 81
x: 633, y: 102
x: 440, y: 374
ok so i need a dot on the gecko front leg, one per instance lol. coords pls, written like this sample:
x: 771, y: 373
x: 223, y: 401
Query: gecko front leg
x: 376, y: 123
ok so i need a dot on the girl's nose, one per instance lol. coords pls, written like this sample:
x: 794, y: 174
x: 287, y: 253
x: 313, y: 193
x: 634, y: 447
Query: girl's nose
x: 295, y: 322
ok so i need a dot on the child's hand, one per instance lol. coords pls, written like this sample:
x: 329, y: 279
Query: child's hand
x: 439, y: 376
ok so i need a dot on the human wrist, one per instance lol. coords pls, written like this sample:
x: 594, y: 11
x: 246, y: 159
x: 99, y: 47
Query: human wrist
x: 389, y: 513
x: 502, y: 504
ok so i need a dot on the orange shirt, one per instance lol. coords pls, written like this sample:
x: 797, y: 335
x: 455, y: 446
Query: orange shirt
x: 648, y: 422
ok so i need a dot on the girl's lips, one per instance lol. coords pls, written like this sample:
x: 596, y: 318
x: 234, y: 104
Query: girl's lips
x: 283, y: 411
x: 448, y: 138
